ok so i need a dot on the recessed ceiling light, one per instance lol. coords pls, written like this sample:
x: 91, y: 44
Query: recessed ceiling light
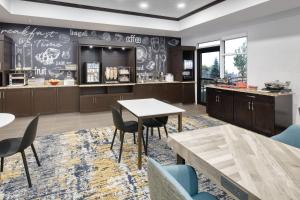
x: 181, y: 5
x: 144, y: 5
x: 91, y: 46
x: 123, y: 48
x: 109, y: 47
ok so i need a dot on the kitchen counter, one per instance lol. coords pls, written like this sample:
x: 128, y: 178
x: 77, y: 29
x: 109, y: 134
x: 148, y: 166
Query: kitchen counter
x: 94, y: 85
x: 157, y: 82
x: 35, y: 86
x: 246, y: 90
x: 106, y: 85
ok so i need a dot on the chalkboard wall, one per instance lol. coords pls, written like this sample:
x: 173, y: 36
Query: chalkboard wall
x: 49, y: 49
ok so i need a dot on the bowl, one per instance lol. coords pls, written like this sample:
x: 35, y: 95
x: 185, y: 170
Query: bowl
x: 53, y: 81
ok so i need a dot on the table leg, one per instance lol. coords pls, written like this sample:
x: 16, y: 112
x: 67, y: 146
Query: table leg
x: 179, y: 122
x: 180, y: 160
x: 140, y: 129
x: 121, y: 110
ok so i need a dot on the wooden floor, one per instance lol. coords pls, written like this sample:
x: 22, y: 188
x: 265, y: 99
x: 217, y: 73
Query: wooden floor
x: 60, y: 123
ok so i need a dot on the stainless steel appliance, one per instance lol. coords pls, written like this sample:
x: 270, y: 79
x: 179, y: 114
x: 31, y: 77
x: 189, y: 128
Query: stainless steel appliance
x: 188, y: 70
x: 92, y: 72
x: 18, y: 79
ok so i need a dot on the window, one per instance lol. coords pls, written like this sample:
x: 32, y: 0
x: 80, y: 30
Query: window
x: 235, y: 59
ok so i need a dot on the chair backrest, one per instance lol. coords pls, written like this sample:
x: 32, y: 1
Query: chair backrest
x: 162, y: 185
x: 163, y: 120
x: 30, y: 134
x: 117, y: 119
x: 290, y: 136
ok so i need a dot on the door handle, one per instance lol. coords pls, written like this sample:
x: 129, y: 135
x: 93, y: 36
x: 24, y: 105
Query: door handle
x: 3, y: 95
x: 249, y: 105
x: 252, y: 106
x: 216, y: 98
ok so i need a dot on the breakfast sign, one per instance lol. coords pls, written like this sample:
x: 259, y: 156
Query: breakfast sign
x: 47, y: 50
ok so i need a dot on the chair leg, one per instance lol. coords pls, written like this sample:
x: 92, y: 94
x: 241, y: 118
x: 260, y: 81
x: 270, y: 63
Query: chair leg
x: 144, y: 143
x: 147, y: 137
x: 158, y: 132
x: 134, y: 140
x: 121, y: 147
x: 166, y: 130
x: 26, y: 168
x: 113, y: 140
x: 151, y: 131
x: 35, y: 155
x: 2, y: 163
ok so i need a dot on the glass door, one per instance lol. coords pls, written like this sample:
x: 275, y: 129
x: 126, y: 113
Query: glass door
x: 208, y: 70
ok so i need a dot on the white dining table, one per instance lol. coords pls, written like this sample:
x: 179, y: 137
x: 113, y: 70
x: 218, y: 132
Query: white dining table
x: 6, y: 118
x: 149, y: 108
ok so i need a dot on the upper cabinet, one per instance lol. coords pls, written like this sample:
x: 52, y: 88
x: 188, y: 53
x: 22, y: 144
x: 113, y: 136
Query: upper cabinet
x: 6, y: 57
x: 181, y: 62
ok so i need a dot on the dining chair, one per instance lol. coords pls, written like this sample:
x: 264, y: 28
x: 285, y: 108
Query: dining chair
x: 290, y: 136
x: 123, y: 127
x: 174, y: 182
x: 152, y: 123
x: 11, y: 146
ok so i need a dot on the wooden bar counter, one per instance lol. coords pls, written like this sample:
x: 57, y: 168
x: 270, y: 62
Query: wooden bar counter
x: 245, y: 164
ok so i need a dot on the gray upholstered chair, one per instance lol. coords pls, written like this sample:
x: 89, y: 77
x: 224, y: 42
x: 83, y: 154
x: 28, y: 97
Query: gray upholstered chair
x: 124, y: 127
x: 11, y: 146
x: 290, y: 136
x: 174, y: 182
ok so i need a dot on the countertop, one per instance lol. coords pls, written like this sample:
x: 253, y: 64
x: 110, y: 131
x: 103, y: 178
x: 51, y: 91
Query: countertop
x: 259, y: 166
x: 93, y: 85
x: 35, y: 86
x: 246, y: 90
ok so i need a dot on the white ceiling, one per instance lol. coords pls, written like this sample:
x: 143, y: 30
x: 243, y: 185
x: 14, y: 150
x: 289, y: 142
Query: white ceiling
x: 156, y: 7
x: 227, y: 13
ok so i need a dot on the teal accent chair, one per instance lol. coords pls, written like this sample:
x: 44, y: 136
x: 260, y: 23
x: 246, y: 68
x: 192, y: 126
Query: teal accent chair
x: 174, y: 182
x: 290, y: 136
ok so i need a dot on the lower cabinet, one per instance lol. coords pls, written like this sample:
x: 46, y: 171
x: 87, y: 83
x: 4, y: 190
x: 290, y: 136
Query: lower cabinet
x: 188, y: 93
x: 67, y: 99
x: 44, y: 100
x: 101, y: 102
x: 261, y: 113
x: 171, y: 92
x: 220, y: 104
x: 31, y: 101
x: 17, y: 101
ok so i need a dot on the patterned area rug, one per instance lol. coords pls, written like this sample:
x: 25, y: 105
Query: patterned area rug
x: 80, y: 165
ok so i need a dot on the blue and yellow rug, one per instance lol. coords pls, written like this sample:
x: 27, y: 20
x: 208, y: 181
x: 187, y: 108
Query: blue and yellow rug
x: 80, y: 165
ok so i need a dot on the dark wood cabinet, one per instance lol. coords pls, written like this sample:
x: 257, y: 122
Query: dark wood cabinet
x: 101, y: 102
x: 188, y: 93
x: 171, y: 92
x: 220, y: 104
x: 261, y: 113
x: 67, y: 99
x: 263, y: 117
x: 142, y: 91
x: 87, y: 103
x: 44, y: 100
x: 6, y: 57
x: 255, y: 112
x: 243, y: 115
x: 17, y: 101
x: 1, y: 101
